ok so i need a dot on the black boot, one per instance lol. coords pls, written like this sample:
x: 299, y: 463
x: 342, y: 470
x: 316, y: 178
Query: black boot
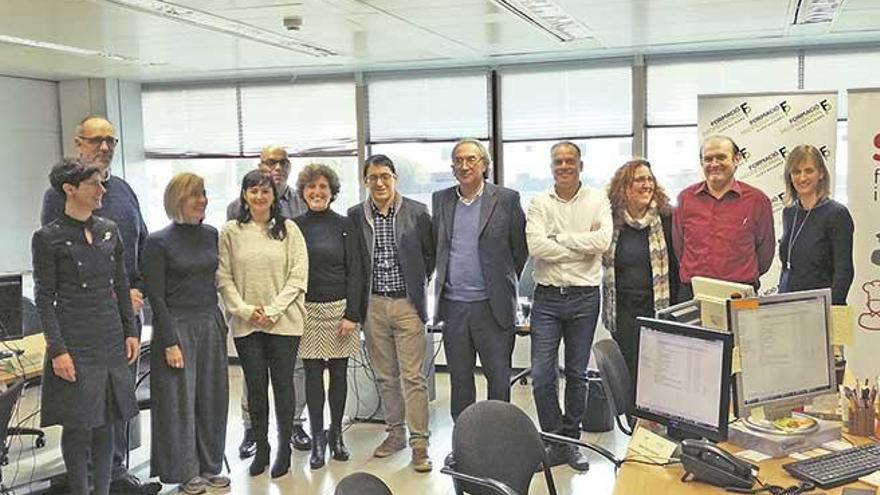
x: 319, y: 450
x: 337, y: 447
x: 282, y: 458
x: 261, y: 458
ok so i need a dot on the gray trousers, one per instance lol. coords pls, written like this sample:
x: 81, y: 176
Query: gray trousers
x: 88, y: 451
x: 299, y: 397
x: 190, y: 405
x: 469, y: 330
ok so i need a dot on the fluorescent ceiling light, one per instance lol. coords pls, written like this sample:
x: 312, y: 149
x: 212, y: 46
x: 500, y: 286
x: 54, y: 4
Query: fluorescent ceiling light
x: 73, y: 50
x: 223, y: 25
x: 549, y: 17
x: 813, y: 11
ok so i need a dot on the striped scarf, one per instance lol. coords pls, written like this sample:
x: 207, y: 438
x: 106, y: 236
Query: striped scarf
x: 659, y: 265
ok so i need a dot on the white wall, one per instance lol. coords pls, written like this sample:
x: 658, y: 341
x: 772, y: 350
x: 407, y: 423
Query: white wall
x: 30, y: 143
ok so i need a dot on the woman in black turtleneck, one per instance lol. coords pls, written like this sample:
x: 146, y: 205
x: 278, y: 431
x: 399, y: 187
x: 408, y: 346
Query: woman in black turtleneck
x: 816, y: 248
x: 189, y: 387
x: 332, y: 300
x: 81, y: 292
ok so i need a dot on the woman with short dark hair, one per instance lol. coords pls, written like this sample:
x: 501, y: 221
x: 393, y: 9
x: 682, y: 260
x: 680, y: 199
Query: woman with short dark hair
x: 82, y: 294
x: 189, y: 385
x: 262, y: 277
x: 332, y: 306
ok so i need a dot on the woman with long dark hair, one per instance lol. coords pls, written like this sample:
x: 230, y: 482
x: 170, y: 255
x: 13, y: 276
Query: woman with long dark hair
x: 262, y: 277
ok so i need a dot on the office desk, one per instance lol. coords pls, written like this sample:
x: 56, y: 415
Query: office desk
x: 29, y: 365
x: 637, y: 479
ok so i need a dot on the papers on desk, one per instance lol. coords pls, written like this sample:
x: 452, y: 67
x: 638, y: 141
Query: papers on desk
x: 841, y: 325
x: 752, y: 455
x: 651, y: 445
x: 872, y: 479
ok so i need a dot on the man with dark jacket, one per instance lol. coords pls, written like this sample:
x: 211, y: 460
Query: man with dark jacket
x: 480, y: 229
x: 399, y: 251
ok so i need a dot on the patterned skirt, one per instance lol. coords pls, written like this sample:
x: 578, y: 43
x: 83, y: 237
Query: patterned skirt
x: 321, y: 339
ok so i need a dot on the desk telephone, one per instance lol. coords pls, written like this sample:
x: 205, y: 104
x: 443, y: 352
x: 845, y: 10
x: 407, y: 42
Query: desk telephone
x: 704, y: 461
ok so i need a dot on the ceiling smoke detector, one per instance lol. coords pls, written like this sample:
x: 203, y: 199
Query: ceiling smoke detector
x: 293, y: 22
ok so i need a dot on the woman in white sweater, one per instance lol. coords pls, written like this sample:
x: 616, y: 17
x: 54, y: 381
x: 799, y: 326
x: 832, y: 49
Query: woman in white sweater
x: 262, y: 278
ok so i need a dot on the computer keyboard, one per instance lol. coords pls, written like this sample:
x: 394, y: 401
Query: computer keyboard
x: 837, y: 468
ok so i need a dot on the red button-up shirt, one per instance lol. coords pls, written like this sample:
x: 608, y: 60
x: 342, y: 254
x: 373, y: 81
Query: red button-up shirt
x: 730, y: 238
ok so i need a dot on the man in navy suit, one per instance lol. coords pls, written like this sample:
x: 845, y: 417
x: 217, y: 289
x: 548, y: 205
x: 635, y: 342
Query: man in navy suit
x: 481, y: 250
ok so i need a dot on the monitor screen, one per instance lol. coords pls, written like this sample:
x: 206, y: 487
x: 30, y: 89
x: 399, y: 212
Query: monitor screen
x: 10, y: 307
x: 785, y: 349
x: 683, y: 378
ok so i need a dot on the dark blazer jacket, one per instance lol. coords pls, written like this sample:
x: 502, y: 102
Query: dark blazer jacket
x: 415, y: 247
x: 502, y: 247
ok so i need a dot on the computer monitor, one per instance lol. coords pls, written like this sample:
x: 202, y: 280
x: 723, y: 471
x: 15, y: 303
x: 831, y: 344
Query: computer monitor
x: 713, y: 295
x: 10, y: 307
x: 784, y: 344
x: 683, y: 378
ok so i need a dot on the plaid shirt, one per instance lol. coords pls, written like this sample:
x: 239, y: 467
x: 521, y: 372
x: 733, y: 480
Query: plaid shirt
x: 387, y: 275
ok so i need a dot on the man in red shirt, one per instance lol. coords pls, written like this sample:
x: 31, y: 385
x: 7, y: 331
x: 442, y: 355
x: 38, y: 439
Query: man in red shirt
x: 722, y: 228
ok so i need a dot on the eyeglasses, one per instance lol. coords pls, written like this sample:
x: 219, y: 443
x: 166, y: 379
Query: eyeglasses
x: 469, y: 160
x: 643, y: 179
x: 110, y: 141
x: 272, y: 163
x: 385, y: 178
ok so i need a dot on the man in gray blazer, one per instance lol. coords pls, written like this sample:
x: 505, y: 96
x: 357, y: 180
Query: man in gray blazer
x: 481, y: 250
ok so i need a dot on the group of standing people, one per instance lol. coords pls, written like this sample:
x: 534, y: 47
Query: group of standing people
x: 297, y: 280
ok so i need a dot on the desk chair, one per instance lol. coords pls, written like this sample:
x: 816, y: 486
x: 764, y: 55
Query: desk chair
x: 361, y: 484
x: 616, y: 381
x: 526, y: 290
x: 8, y: 400
x: 30, y: 321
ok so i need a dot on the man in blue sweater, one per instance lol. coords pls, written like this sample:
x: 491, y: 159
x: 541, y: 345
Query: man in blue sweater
x: 95, y: 143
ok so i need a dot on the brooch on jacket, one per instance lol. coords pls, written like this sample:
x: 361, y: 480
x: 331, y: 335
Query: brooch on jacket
x: 107, y: 235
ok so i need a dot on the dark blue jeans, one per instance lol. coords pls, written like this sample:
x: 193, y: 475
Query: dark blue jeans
x: 569, y: 316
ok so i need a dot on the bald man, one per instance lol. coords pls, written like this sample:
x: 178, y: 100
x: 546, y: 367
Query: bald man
x: 275, y: 161
x: 95, y: 143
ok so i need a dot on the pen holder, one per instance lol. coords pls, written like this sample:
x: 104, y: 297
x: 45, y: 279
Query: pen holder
x: 861, y: 421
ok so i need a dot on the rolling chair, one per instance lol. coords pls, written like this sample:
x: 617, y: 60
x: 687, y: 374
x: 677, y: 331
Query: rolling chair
x: 616, y: 381
x: 30, y: 321
x: 8, y: 400
x: 496, y: 449
x: 361, y: 484
x: 526, y: 291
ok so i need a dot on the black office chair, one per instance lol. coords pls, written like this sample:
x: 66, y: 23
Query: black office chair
x: 616, y: 381
x: 8, y: 400
x: 361, y: 484
x: 496, y: 450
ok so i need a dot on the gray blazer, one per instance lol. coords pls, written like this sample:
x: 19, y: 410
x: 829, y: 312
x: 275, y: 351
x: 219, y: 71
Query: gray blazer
x: 415, y: 247
x: 502, y: 247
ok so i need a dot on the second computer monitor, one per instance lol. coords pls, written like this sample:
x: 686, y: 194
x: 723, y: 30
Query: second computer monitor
x: 683, y: 378
x: 784, y: 343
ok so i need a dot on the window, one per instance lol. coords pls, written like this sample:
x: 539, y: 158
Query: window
x: 674, y: 156
x: 840, y: 71
x: 190, y: 120
x: 568, y: 102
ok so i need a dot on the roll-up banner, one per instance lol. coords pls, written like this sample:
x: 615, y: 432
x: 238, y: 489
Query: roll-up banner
x: 863, y: 201
x: 766, y: 126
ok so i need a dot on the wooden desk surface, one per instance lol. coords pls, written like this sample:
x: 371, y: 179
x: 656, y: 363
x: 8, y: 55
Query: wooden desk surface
x: 29, y: 364
x: 635, y: 479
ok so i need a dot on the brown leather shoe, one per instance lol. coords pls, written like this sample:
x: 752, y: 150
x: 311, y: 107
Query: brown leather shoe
x: 394, y: 442
x: 420, y: 460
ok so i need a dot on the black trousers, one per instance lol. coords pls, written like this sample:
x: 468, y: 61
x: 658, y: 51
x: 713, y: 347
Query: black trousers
x: 263, y: 357
x: 88, y: 451
x: 315, y: 391
x: 631, y: 305
x: 470, y: 329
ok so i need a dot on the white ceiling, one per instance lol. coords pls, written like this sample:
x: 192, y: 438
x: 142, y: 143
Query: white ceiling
x: 388, y: 34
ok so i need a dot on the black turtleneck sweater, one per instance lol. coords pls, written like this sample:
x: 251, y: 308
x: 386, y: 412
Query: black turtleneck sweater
x: 180, y: 262
x: 335, y: 270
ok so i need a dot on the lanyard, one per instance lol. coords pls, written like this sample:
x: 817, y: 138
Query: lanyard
x: 794, y: 234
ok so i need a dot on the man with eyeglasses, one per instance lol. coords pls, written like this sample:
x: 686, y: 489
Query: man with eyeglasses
x: 95, y: 142
x: 481, y: 251
x: 722, y: 228
x: 568, y: 228
x: 399, y: 251
x: 275, y: 161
